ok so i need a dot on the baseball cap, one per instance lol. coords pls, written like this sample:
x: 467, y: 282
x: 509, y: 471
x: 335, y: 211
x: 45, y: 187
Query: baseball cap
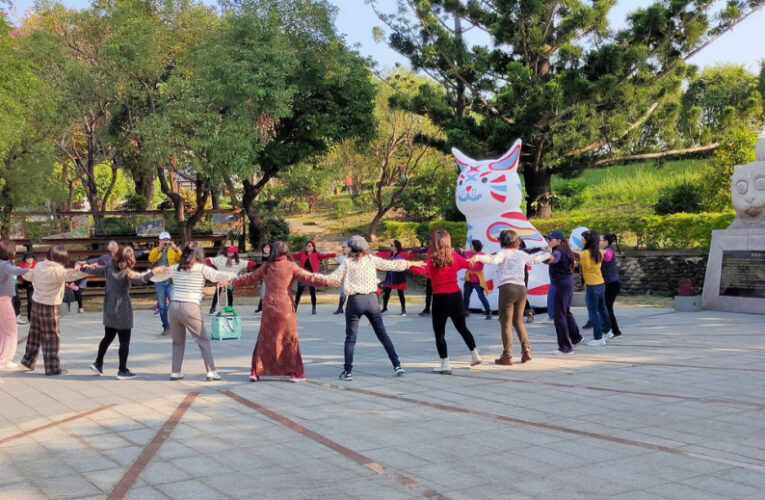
x: 555, y: 235
x: 164, y: 235
x: 232, y: 250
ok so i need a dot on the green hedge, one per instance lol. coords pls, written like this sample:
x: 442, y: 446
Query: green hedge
x: 647, y: 231
x: 651, y: 232
x: 418, y: 233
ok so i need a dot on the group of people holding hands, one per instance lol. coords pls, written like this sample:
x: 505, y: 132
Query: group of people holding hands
x: 179, y: 276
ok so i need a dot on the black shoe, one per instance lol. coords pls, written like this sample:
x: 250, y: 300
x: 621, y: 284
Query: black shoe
x: 99, y: 369
x: 617, y: 334
x: 60, y: 372
x: 258, y: 311
x: 587, y: 325
x: 467, y: 314
x: 488, y: 316
x: 126, y: 375
x: 424, y: 313
x: 346, y: 376
x: 339, y: 311
x: 313, y: 310
x: 384, y: 310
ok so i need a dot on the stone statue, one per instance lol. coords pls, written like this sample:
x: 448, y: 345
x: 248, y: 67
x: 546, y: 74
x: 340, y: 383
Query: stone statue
x: 748, y: 192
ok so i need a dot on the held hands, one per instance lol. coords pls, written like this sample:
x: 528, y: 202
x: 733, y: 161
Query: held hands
x: 160, y: 269
x: 333, y: 283
x: 417, y: 263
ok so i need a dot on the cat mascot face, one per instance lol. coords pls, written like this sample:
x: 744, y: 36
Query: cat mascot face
x: 489, y: 193
x: 748, y: 192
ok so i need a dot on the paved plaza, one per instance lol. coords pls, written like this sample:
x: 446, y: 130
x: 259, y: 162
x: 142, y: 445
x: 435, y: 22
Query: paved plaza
x: 673, y: 409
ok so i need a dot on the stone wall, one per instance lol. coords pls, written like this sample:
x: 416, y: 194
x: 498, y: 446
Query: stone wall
x: 657, y: 272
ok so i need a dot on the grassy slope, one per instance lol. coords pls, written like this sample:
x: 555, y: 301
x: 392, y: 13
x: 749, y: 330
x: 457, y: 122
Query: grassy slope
x: 628, y: 189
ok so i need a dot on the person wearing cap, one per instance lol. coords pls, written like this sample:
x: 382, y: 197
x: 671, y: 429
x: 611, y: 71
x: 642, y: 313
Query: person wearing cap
x: 358, y: 275
x: 310, y: 260
x: 165, y: 254
x: 230, y: 263
x: 561, y: 269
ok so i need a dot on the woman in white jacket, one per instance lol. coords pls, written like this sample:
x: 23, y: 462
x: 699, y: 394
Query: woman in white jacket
x: 511, y: 263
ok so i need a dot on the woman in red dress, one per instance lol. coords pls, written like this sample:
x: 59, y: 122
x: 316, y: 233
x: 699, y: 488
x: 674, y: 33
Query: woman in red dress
x: 277, y: 351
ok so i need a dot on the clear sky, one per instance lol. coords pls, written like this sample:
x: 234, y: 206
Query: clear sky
x: 745, y: 44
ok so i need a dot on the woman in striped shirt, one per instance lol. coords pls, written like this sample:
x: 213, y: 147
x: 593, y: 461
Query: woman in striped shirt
x: 189, y: 277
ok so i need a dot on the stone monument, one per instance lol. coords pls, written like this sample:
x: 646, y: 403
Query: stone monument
x: 735, y: 277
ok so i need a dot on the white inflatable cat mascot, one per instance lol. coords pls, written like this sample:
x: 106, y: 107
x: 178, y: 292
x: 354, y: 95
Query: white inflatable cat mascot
x: 489, y: 194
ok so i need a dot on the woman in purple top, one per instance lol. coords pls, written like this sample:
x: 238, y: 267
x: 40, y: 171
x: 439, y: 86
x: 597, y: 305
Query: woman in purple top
x: 611, y: 277
x: 561, y: 266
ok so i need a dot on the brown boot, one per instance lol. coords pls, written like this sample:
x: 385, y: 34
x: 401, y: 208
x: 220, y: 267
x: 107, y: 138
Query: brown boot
x: 526, y: 356
x: 505, y: 359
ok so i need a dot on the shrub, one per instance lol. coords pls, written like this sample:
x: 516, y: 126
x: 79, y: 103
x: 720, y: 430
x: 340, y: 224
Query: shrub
x: 135, y: 202
x: 297, y: 242
x: 342, y: 207
x: 275, y: 228
x: 116, y: 226
x: 569, y: 195
x: 647, y: 231
x: 413, y: 232
x: 683, y: 197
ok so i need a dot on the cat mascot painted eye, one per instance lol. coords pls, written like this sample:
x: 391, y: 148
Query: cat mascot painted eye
x: 489, y: 194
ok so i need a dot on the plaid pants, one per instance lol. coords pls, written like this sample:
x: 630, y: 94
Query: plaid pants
x: 44, y: 330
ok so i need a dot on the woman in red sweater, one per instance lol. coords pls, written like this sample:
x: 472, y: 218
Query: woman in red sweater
x: 441, y: 267
x: 310, y: 260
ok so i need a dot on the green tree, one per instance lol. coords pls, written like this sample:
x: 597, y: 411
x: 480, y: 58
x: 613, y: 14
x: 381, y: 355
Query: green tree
x: 556, y: 75
x: 332, y: 96
x: 26, y: 112
x: 721, y: 98
x: 396, y: 154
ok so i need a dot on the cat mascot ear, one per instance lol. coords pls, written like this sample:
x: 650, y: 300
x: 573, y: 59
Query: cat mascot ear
x: 463, y: 161
x: 510, y: 159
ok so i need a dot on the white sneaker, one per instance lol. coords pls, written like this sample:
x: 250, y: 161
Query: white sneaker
x: 608, y: 335
x: 10, y: 364
x: 475, y: 358
x: 212, y: 376
x: 176, y: 376
x: 596, y: 343
x: 444, y: 368
x: 81, y: 310
x: 545, y: 321
x: 558, y: 352
x: 20, y: 320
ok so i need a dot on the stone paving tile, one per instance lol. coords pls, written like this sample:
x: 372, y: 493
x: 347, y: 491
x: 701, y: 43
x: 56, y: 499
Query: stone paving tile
x: 221, y: 448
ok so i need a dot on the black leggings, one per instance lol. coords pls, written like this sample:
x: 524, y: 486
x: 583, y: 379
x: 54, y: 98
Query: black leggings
x: 401, y: 298
x: 612, y: 290
x: 109, y: 334
x: 428, y: 295
x: 449, y: 305
x: 230, y: 294
x: 311, y: 289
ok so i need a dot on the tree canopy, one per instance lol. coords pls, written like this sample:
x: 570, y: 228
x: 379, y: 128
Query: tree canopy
x: 577, y: 91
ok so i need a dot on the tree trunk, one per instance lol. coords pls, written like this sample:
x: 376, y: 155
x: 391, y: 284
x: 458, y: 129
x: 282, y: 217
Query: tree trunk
x: 538, y: 192
x: 249, y: 194
x: 144, y: 185
x: 375, y: 222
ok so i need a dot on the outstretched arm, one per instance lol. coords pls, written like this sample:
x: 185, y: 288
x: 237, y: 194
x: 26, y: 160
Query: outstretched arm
x: 250, y: 278
x: 310, y: 279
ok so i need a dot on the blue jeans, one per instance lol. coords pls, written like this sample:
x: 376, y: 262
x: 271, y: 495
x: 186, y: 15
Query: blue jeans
x: 468, y: 291
x: 595, y: 298
x: 551, y: 301
x: 164, y: 296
